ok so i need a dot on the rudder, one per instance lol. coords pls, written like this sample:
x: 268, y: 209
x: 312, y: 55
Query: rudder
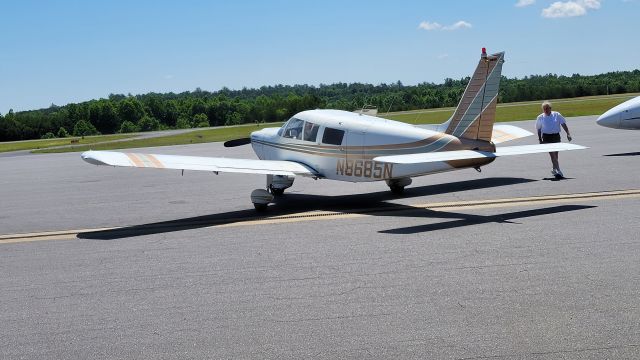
x: 476, y: 111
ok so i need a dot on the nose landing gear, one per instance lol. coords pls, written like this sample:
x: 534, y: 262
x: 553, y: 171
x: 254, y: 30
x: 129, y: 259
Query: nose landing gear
x: 276, y: 184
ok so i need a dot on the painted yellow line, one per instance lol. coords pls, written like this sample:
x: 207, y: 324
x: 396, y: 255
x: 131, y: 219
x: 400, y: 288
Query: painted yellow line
x: 616, y: 194
x: 312, y: 216
x: 47, y: 235
x: 355, y: 213
x: 457, y: 205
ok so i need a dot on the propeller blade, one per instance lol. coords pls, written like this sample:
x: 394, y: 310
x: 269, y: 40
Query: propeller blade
x: 237, y: 142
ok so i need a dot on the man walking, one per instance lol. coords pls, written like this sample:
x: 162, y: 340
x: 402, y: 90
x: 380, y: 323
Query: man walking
x: 548, y: 125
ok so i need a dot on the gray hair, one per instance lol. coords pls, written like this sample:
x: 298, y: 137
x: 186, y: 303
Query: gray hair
x: 546, y: 103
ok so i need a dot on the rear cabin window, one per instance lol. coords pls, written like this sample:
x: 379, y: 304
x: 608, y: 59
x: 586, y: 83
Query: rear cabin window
x: 332, y: 136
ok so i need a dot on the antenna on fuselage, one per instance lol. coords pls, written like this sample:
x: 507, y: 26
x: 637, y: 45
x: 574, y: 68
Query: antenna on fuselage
x: 368, y: 110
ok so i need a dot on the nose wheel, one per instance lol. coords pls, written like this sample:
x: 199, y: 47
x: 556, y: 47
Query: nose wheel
x: 261, y: 199
x: 278, y: 183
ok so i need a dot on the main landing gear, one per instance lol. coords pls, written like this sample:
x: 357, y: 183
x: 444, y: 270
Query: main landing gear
x: 276, y: 184
x: 397, y: 185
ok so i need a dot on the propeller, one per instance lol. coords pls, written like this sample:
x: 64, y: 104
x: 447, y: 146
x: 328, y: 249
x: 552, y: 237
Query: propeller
x: 237, y: 142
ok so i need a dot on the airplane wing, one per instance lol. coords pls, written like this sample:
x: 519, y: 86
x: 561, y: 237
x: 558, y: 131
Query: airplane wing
x: 503, y: 133
x: 475, y: 154
x: 178, y: 162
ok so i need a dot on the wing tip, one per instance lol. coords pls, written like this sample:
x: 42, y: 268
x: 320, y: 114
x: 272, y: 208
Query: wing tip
x: 88, y: 157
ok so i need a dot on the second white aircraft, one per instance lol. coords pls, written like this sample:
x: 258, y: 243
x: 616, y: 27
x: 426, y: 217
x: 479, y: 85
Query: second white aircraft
x: 624, y: 116
x: 345, y: 146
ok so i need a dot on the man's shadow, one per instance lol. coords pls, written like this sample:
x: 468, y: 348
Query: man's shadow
x: 557, y: 178
x: 376, y: 204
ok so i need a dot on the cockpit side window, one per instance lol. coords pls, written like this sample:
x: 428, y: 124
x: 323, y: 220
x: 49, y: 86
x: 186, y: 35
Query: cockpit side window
x: 311, y: 131
x: 293, y: 129
x: 332, y: 136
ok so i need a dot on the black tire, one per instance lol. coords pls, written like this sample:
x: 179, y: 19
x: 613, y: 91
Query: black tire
x: 396, y: 189
x: 260, y: 207
x: 276, y: 192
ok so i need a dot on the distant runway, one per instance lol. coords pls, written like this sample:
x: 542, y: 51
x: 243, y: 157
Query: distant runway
x: 508, y: 263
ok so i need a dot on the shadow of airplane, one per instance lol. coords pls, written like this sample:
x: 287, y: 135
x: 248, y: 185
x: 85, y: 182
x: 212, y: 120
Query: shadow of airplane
x: 625, y: 154
x: 469, y: 219
x: 370, y: 203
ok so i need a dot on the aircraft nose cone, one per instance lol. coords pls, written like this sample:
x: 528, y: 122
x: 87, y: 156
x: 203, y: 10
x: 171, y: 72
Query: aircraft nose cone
x: 609, y: 120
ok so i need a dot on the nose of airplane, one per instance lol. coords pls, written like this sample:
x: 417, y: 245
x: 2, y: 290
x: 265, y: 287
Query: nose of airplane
x: 609, y: 119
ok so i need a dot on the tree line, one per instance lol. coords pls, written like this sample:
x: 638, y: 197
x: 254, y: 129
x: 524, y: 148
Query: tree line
x: 199, y: 108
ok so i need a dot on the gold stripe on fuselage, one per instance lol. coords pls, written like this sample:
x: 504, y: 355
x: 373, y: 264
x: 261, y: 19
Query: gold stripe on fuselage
x: 370, y: 151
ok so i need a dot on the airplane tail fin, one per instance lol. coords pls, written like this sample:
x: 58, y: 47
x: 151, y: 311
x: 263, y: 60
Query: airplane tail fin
x: 476, y: 111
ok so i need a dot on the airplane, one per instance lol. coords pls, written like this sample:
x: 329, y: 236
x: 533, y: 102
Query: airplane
x: 624, y: 116
x: 345, y: 146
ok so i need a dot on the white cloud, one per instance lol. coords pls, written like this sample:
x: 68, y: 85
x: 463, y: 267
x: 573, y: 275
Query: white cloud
x: 459, y: 25
x: 429, y: 26
x: 523, y: 3
x: 562, y: 9
x: 443, y: 56
x: 590, y: 4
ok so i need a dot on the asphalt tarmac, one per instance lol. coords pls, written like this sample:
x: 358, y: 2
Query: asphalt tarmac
x: 507, y: 263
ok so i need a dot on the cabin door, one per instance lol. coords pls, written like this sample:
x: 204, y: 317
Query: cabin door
x: 354, y: 149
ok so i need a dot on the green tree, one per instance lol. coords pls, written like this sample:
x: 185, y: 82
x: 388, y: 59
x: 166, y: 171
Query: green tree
x: 148, y: 123
x: 84, y: 128
x: 48, y: 135
x: 62, y: 132
x: 198, y: 107
x: 128, y: 127
x: 183, y: 123
x: 103, y: 115
x: 233, y: 118
x: 130, y: 109
x: 201, y: 120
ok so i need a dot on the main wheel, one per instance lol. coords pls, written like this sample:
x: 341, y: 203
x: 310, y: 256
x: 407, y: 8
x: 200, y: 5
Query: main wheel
x: 397, y: 185
x: 276, y: 191
x: 397, y: 189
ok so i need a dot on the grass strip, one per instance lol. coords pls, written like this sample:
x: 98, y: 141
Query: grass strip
x: 46, y: 143
x: 593, y: 105
x: 193, y: 137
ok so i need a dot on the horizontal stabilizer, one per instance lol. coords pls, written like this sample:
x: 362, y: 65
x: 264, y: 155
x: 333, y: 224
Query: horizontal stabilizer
x: 475, y: 154
x: 200, y: 163
x: 504, y: 133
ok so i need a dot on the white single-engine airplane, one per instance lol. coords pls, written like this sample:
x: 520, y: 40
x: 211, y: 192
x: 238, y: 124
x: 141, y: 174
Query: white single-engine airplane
x: 623, y: 116
x: 345, y: 146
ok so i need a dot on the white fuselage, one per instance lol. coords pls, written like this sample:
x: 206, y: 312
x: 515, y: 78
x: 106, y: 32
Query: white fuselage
x: 341, y: 145
x: 623, y: 116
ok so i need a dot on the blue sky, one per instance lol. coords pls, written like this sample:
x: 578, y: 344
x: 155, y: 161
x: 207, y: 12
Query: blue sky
x: 62, y: 51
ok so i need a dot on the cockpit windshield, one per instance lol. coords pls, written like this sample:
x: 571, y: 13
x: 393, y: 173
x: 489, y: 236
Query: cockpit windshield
x: 293, y: 129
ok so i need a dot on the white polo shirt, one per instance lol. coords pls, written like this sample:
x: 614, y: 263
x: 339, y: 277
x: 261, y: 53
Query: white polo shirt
x: 550, y: 124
